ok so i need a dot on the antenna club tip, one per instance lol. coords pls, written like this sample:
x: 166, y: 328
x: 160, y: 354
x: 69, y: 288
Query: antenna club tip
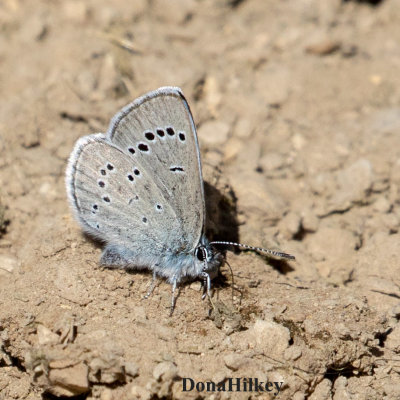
x: 284, y: 255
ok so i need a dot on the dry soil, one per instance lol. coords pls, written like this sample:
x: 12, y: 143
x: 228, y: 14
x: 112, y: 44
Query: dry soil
x: 298, y: 112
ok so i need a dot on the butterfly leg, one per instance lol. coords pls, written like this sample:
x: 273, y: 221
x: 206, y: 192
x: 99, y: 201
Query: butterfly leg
x: 173, y: 300
x: 153, y: 284
x: 207, y: 285
x: 207, y: 288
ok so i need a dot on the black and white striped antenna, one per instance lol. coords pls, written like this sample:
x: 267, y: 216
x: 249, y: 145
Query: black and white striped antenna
x: 257, y: 249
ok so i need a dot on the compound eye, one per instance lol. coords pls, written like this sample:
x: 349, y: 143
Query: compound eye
x: 201, y: 253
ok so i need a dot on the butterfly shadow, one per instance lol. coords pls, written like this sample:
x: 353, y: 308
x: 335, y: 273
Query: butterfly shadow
x: 222, y: 224
x: 221, y: 211
x: 282, y: 266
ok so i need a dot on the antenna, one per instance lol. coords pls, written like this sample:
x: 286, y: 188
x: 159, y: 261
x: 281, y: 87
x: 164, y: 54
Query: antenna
x: 257, y: 249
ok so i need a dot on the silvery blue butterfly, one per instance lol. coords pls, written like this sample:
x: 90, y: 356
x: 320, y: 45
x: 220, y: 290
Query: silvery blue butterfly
x: 139, y: 189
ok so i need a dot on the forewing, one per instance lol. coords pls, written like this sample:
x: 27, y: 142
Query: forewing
x: 157, y: 131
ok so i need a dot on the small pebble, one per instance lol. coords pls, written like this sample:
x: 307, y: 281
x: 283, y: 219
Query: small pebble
x: 324, y: 48
x: 243, y: 128
x: 309, y: 221
x: 234, y: 361
x: 290, y: 224
x: 7, y: 264
x: 271, y: 162
x: 106, y: 394
x: 132, y: 369
x: 270, y: 337
x: 232, y: 148
x: 213, y: 133
x: 139, y: 392
x: 69, y: 381
x: 381, y: 205
x: 46, y: 336
x: 165, y: 371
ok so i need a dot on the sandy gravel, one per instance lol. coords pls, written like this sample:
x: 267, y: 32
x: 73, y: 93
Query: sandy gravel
x: 298, y: 112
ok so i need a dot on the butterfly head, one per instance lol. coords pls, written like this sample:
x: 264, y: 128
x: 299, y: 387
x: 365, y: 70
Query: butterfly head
x: 207, y: 260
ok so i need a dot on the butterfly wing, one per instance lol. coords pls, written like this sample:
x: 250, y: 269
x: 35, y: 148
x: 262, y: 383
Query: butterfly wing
x: 140, y: 185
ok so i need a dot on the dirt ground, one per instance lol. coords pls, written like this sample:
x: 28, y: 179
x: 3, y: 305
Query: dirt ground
x: 298, y: 112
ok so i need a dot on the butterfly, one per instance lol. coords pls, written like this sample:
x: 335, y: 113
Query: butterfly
x: 139, y: 189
